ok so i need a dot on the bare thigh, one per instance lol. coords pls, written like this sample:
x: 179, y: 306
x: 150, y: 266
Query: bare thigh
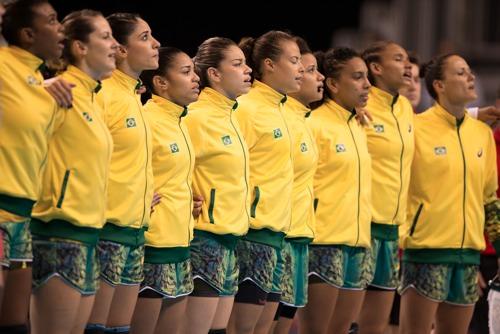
x: 266, y: 318
x: 417, y: 313
x: 200, y: 314
x: 453, y: 318
x: 54, y: 307
x: 375, y: 312
x: 347, y: 308
x: 244, y: 318
x: 171, y: 315
x: 16, y: 298
x: 315, y: 317
x: 102, y: 303
x: 223, y: 312
x: 146, y: 313
x: 122, y: 305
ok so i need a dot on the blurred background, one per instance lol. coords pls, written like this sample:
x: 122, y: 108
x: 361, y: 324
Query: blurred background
x: 426, y: 27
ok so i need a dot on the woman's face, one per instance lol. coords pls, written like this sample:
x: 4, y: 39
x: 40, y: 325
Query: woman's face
x: 394, y: 69
x: 351, y: 88
x: 286, y: 73
x: 182, y: 83
x: 142, y: 48
x: 458, y: 83
x: 234, y: 73
x: 412, y: 89
x: 101, y: 49
x: 48, y: 40
x: 311, y: 89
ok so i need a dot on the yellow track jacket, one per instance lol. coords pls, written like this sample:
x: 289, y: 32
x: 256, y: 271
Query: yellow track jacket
x: 72, y: 203
x: 221, y: 173
x: 305, y: 158
x: 27, y: 115
x: 262, y: 122
x: 391, y: 146
x: 171, y: 223
x: 130, y: 190
x: 342, y: 184
x: 453, y: 176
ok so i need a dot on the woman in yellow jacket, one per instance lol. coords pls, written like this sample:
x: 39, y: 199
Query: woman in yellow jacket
x: 452, y: 193
x: 130, y: 193
x: 70, y: 212
x: 391, y: 146
x: 339, y: 260
x: 167, y: 267
x: 295, y: 255
x: 221, y: 177
x: 275, y: 60
x: 26, y: 126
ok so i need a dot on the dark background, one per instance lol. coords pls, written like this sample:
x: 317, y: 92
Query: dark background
x: 185, y: 24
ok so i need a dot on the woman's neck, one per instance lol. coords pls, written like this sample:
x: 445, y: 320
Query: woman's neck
x: 125, y: 68
x: 457, y: 110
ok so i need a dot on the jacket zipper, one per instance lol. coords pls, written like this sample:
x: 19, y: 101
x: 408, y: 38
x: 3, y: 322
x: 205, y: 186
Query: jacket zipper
x: 359, y: 176
x: 400, y: 162
x: 145, y: 167
x: 187, y: 181
x: 245, y: 164
x: 465, y: 181
x: 291, y: 148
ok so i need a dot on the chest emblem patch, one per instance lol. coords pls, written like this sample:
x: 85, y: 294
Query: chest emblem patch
x: 226, y: 140
x: 277, y: 133
x: 130, y: 122
x: 174, y: 148
x: 379, y: 128
x: 440, y: 150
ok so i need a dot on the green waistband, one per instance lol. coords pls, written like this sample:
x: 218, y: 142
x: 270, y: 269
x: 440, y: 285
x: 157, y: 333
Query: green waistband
x: 62, y: 229
x: 124, y: 235
x: 266, y: 236
x: 227, y: 240
x: 165, y: 254
x: 16, y: 205
x: 384, y: 231
x: 442, y: 255
x: 300, y: 240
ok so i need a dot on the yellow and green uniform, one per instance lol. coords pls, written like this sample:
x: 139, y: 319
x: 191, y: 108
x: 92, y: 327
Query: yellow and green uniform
x: 130, y: 190
x: 266, y: 132
x: 72, y: 202
x: 294, y: 256
x: 340, y: 252
x: 453, y: 177
x: 221, y: 176
x: 342, y: 183
x: 305, y: 158
x: 391, y: 146
x: 27, y: 119
x: 452, y: 192
x: 221, y: 172
x: 171, y: 228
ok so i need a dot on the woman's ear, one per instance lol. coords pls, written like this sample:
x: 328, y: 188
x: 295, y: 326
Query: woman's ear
x: 160, y: 83
x: 331, y: 85
x: 214, y: 75
x: 376, y: 68
x: 269, y: 65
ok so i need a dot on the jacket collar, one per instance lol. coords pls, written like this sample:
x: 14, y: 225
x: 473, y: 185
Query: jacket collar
x: 170, y: 107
